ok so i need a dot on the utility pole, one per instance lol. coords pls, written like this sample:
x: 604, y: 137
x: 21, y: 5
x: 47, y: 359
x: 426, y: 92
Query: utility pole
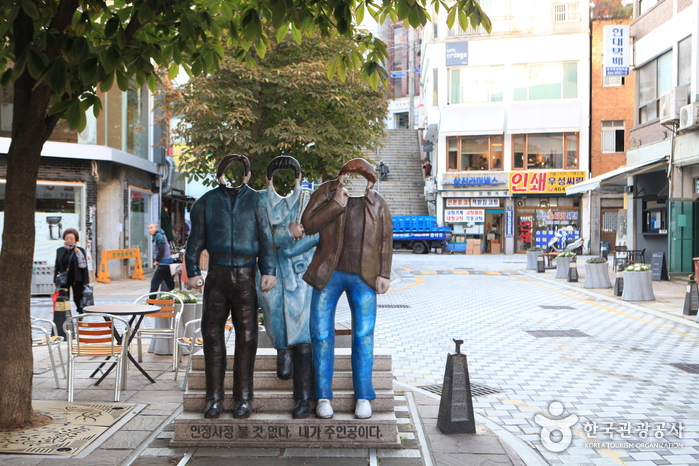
x: 411, y: 77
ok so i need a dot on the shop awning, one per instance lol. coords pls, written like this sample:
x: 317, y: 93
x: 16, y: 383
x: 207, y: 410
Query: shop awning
x: 617, y: 178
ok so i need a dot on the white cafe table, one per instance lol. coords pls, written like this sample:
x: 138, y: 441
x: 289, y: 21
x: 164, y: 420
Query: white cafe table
x: 137, y: 313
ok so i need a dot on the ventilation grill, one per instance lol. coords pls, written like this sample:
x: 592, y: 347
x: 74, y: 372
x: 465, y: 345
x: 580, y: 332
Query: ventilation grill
x: 557, y: 333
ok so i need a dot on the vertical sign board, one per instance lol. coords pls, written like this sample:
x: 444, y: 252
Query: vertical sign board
x: 616, y: 50
x: 658, y: 266
x: 457, y: 54
x: 509, y: 221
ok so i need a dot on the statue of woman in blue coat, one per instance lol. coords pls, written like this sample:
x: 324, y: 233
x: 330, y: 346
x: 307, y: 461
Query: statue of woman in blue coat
x: 287, y: 306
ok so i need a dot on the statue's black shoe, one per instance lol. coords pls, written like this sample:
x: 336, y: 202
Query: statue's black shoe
x: 285, y: 364
x: 213, y: 410
x: 242, y: 409
x: 302, y: 410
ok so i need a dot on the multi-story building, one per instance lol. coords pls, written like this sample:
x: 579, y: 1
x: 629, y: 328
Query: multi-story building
x: 662, y: 164
x: 508, y: 115
x: 611, y: 118
x: 105, y: 181
x: 664, y: 214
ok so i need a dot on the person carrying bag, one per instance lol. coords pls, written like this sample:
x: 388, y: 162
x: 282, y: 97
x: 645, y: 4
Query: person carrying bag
x: 70, y: 272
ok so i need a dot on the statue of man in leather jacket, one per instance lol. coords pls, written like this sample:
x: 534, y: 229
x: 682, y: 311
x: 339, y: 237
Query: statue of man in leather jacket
x: 232, y: 225
x: 353, y: 256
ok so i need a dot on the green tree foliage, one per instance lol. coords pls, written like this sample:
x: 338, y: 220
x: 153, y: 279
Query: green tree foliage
x: 56, y: 54
x: 283, y: 105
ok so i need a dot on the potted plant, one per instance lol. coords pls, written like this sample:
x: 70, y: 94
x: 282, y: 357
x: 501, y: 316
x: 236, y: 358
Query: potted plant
x: 638, y: 283
x: 563, y: 261
x: 597, y: 273
x: 532, y: 255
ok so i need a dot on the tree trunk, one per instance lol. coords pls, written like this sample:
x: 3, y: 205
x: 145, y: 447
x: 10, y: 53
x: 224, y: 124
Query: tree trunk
x: 16, y: 265
x: 30, y: 129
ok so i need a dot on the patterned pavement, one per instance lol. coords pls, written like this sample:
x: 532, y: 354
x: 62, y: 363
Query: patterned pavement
x: 610, y: 367
x: 539, y: 341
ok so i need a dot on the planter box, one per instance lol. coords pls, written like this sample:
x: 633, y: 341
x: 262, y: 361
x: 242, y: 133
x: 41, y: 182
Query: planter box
x: 638, y: 286
x: 531, y: 259
x: 597, y: 276
x: 562, y: 266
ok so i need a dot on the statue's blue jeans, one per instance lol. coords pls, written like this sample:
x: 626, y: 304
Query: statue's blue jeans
x: 362, y: 301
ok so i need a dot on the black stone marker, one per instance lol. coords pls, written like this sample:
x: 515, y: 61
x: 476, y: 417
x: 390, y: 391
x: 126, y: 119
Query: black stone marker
x: 573, y: 271
x: 619, y: 284
x: 456, y: 406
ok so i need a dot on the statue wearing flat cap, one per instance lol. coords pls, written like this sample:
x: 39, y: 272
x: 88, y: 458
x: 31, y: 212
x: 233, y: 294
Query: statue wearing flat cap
x: 353, y: 256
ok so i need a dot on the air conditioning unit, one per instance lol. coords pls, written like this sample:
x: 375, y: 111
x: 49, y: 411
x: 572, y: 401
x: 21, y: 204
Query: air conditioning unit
x: 689, y: 116
x: 671, y: 103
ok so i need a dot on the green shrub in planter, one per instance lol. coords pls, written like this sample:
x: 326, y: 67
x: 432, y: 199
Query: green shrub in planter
x: 637, y: 268
x: 567, y: 254
x: 534, y: 249
x: 186, y: 296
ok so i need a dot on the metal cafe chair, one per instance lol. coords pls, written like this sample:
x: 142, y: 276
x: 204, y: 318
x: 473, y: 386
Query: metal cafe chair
x: 621, y: 255
x: 195, y: 342
x: 97, y: 337
x: 41, y: 336
x: 172, y: 318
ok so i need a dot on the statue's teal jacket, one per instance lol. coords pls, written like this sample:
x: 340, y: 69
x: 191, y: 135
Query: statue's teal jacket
x: 234, y: 231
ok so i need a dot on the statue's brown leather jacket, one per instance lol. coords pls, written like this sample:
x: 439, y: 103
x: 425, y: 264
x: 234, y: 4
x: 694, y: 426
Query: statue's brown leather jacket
x: 325, y: 216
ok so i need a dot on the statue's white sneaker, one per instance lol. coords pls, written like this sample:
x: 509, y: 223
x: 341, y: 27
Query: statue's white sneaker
x: 324, y: 410
x: 363, y: 409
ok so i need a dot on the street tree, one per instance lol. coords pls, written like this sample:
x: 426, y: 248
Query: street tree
x: 55, y: 56
x: 283, y: 105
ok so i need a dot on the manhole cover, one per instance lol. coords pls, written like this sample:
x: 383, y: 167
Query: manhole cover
x: 476, y: 389
x: 691, y: 368
x: 557, y: 333
x: 393, y: 306
x: 556, y: 307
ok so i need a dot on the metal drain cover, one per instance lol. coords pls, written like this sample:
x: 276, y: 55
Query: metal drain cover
x: 393, y: 306
x: 476, y: 389
x: 691, y: 368
x: 556, y: 307
x: 557, y: 333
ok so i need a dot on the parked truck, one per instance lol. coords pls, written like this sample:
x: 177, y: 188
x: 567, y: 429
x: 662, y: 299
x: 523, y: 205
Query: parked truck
x: 419, y: 233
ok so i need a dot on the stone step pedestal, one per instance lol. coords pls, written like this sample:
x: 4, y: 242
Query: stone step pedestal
x: 278, y: 430
x: 271, y: 424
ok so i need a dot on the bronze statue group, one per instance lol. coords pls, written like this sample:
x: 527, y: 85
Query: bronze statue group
x: 292, y: 256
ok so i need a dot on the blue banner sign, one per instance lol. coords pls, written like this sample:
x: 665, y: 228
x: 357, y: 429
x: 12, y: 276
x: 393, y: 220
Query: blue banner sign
x: 509, y: 221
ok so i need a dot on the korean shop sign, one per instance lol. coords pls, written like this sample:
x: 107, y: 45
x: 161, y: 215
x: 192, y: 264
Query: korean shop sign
x: 544, y: 181
x: 475, y: 181
x: 464, y: 215
x: 616, y: 50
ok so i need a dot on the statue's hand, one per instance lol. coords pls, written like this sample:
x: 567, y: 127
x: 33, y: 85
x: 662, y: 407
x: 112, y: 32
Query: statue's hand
x: 196, y: 282
x: 382, y: 285
x: 297, y: 231
x: 268, y: 282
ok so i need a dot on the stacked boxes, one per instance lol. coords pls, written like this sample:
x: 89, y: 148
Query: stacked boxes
x: 42, y: 279
x: 495, y: 246
x: 474, y: 246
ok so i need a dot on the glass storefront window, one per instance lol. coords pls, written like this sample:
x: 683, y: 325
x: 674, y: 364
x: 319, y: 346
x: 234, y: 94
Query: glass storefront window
x: 139, y: 218
x: 59, y: 206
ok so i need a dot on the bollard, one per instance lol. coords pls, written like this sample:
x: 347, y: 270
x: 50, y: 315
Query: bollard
x: 456, y: 405
x: 573, y: 271
x: 540, y: 266
x: 619, y: 283
x: 691, y: 298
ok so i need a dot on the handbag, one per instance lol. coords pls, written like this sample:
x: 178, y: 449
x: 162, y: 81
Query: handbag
x: 62, y: 278
x: 88, y: 298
